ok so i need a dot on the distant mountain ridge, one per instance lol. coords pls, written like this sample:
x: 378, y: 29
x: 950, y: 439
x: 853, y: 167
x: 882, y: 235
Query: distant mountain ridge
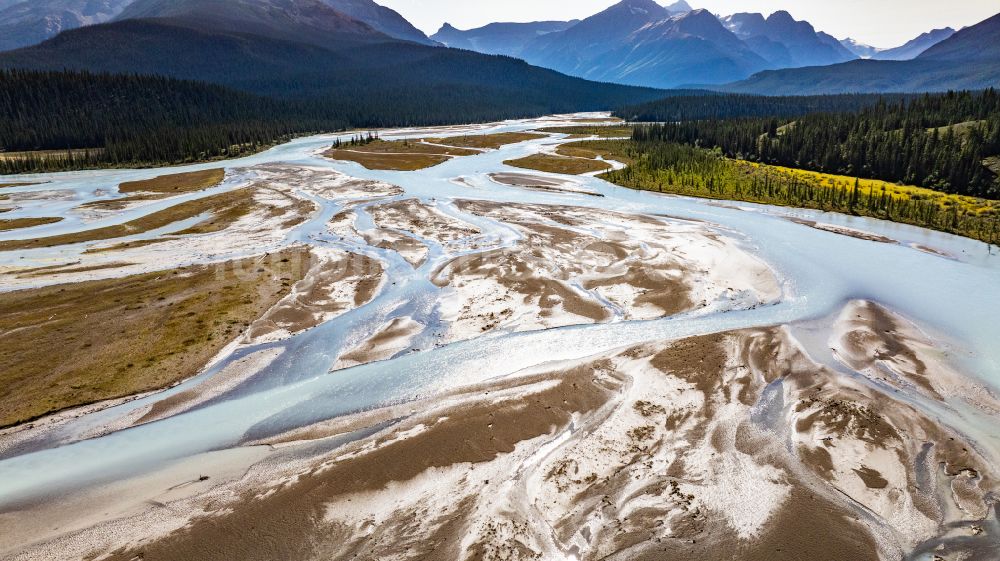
x: 639, y: 42
x: 907, y: 51
x: 968, y: 59
x: 381, y: 18
x: 304, y: 50
x: 499, y: 38
x: 28, y: 22
x: 786, y: 42
x: 861, y: 49
x: 916, y: 46
x: 308, y: 21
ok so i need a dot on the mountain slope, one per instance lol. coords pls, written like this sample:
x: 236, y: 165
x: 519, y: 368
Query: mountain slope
x: 693, y: 48
x: 637, y: 42
x: 499, y: 38
x: 309, y: 21
x: 679, y: 7
x: 978, y: 42
x: 914, y: 47
x: 168, y: 121
x: 369, y: 83
x: 860, y: 49
x: 572, y: 50
x: 381, y: 18
x: 969, y: 59
x: 786, y: 42
x: 30, y: 22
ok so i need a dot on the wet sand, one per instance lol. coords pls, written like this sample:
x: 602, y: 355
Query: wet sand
x: 672, y: 449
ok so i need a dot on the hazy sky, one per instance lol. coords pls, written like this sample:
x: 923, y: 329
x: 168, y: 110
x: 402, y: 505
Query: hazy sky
x: 882, y: 23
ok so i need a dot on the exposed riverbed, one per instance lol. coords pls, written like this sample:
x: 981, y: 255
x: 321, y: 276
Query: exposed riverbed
x: 442, y: 291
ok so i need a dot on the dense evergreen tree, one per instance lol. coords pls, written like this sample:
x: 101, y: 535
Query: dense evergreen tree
x: 935, y: 141
x: 118, y: 120
x: 696, y: 105
x: 688, y: 170
x: 110, y: 119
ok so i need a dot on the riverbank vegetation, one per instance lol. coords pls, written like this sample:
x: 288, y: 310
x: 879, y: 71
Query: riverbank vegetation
x: 65, y: 120
x: 398, y: 155
x: 696, y: 106
x: 30, y: 222
x: 221, y: 210
x: 681, y: 169
x: 941, y: 142
x: 487, y: 141
x: 53, y: 120
x: 176, y: 183
x: 410, y: 155
x: 123, y: 336
x: 583, y: 131
x: 552, y: 163
x: 574, y: 158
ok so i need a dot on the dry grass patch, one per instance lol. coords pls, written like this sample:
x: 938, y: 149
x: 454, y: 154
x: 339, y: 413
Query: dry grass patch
x: 18, y: 223
x: 559, y: 164
x: 598, y: 120
x: 126, y: 245
x: 585, y: 132
x: 45, y: 155
x: 487, y: 141
x: 176, y: 183
x: 226, y: 208
x: 399, y: 155
x: 70, y: 345
x: 68, y: 269
x: 122, y: 203
x: 993, y: 164
x: 2, y: 185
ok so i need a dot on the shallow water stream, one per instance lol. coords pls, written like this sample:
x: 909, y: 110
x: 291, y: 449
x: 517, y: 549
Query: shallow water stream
x: 955, y: 298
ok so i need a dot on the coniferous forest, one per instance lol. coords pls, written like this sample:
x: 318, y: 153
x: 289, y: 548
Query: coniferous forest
x: 85, y: 120
x: 946, y: 142
x: 82, y: 119
x: 690, y: 105
x: 682, y: 169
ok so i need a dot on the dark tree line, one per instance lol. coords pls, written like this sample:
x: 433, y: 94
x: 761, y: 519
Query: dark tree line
x: 713, y: 105
x: 118, y: 119
x: 688, y: 170
x: 934, y: 141
x: 111, y: 119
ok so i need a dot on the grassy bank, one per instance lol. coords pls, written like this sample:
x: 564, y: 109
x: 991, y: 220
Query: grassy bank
x: 686, y: 170
x: 124, y: 336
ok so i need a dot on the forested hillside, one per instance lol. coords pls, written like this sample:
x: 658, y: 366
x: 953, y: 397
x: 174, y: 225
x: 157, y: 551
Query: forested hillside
x: 681, y: 169
x: 139, y: 120
x: 143, y: 120
x: 699, y: 105
x: 943, y: 142
x: 391, y: 81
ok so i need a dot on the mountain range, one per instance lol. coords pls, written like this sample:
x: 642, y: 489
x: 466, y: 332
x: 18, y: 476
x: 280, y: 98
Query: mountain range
x: 305, y: 49
x: 257, y: 45
x: 641, y: 42
x: 785, y: 42
x: 25, y: 23
x: 908, y: 51
x: 499, y: 38
x: 29, y: 22
x: 968, y: 59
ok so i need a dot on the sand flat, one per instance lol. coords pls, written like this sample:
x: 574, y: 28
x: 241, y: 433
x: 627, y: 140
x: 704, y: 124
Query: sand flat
x: 534, y: 375
x: 668, y: 456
